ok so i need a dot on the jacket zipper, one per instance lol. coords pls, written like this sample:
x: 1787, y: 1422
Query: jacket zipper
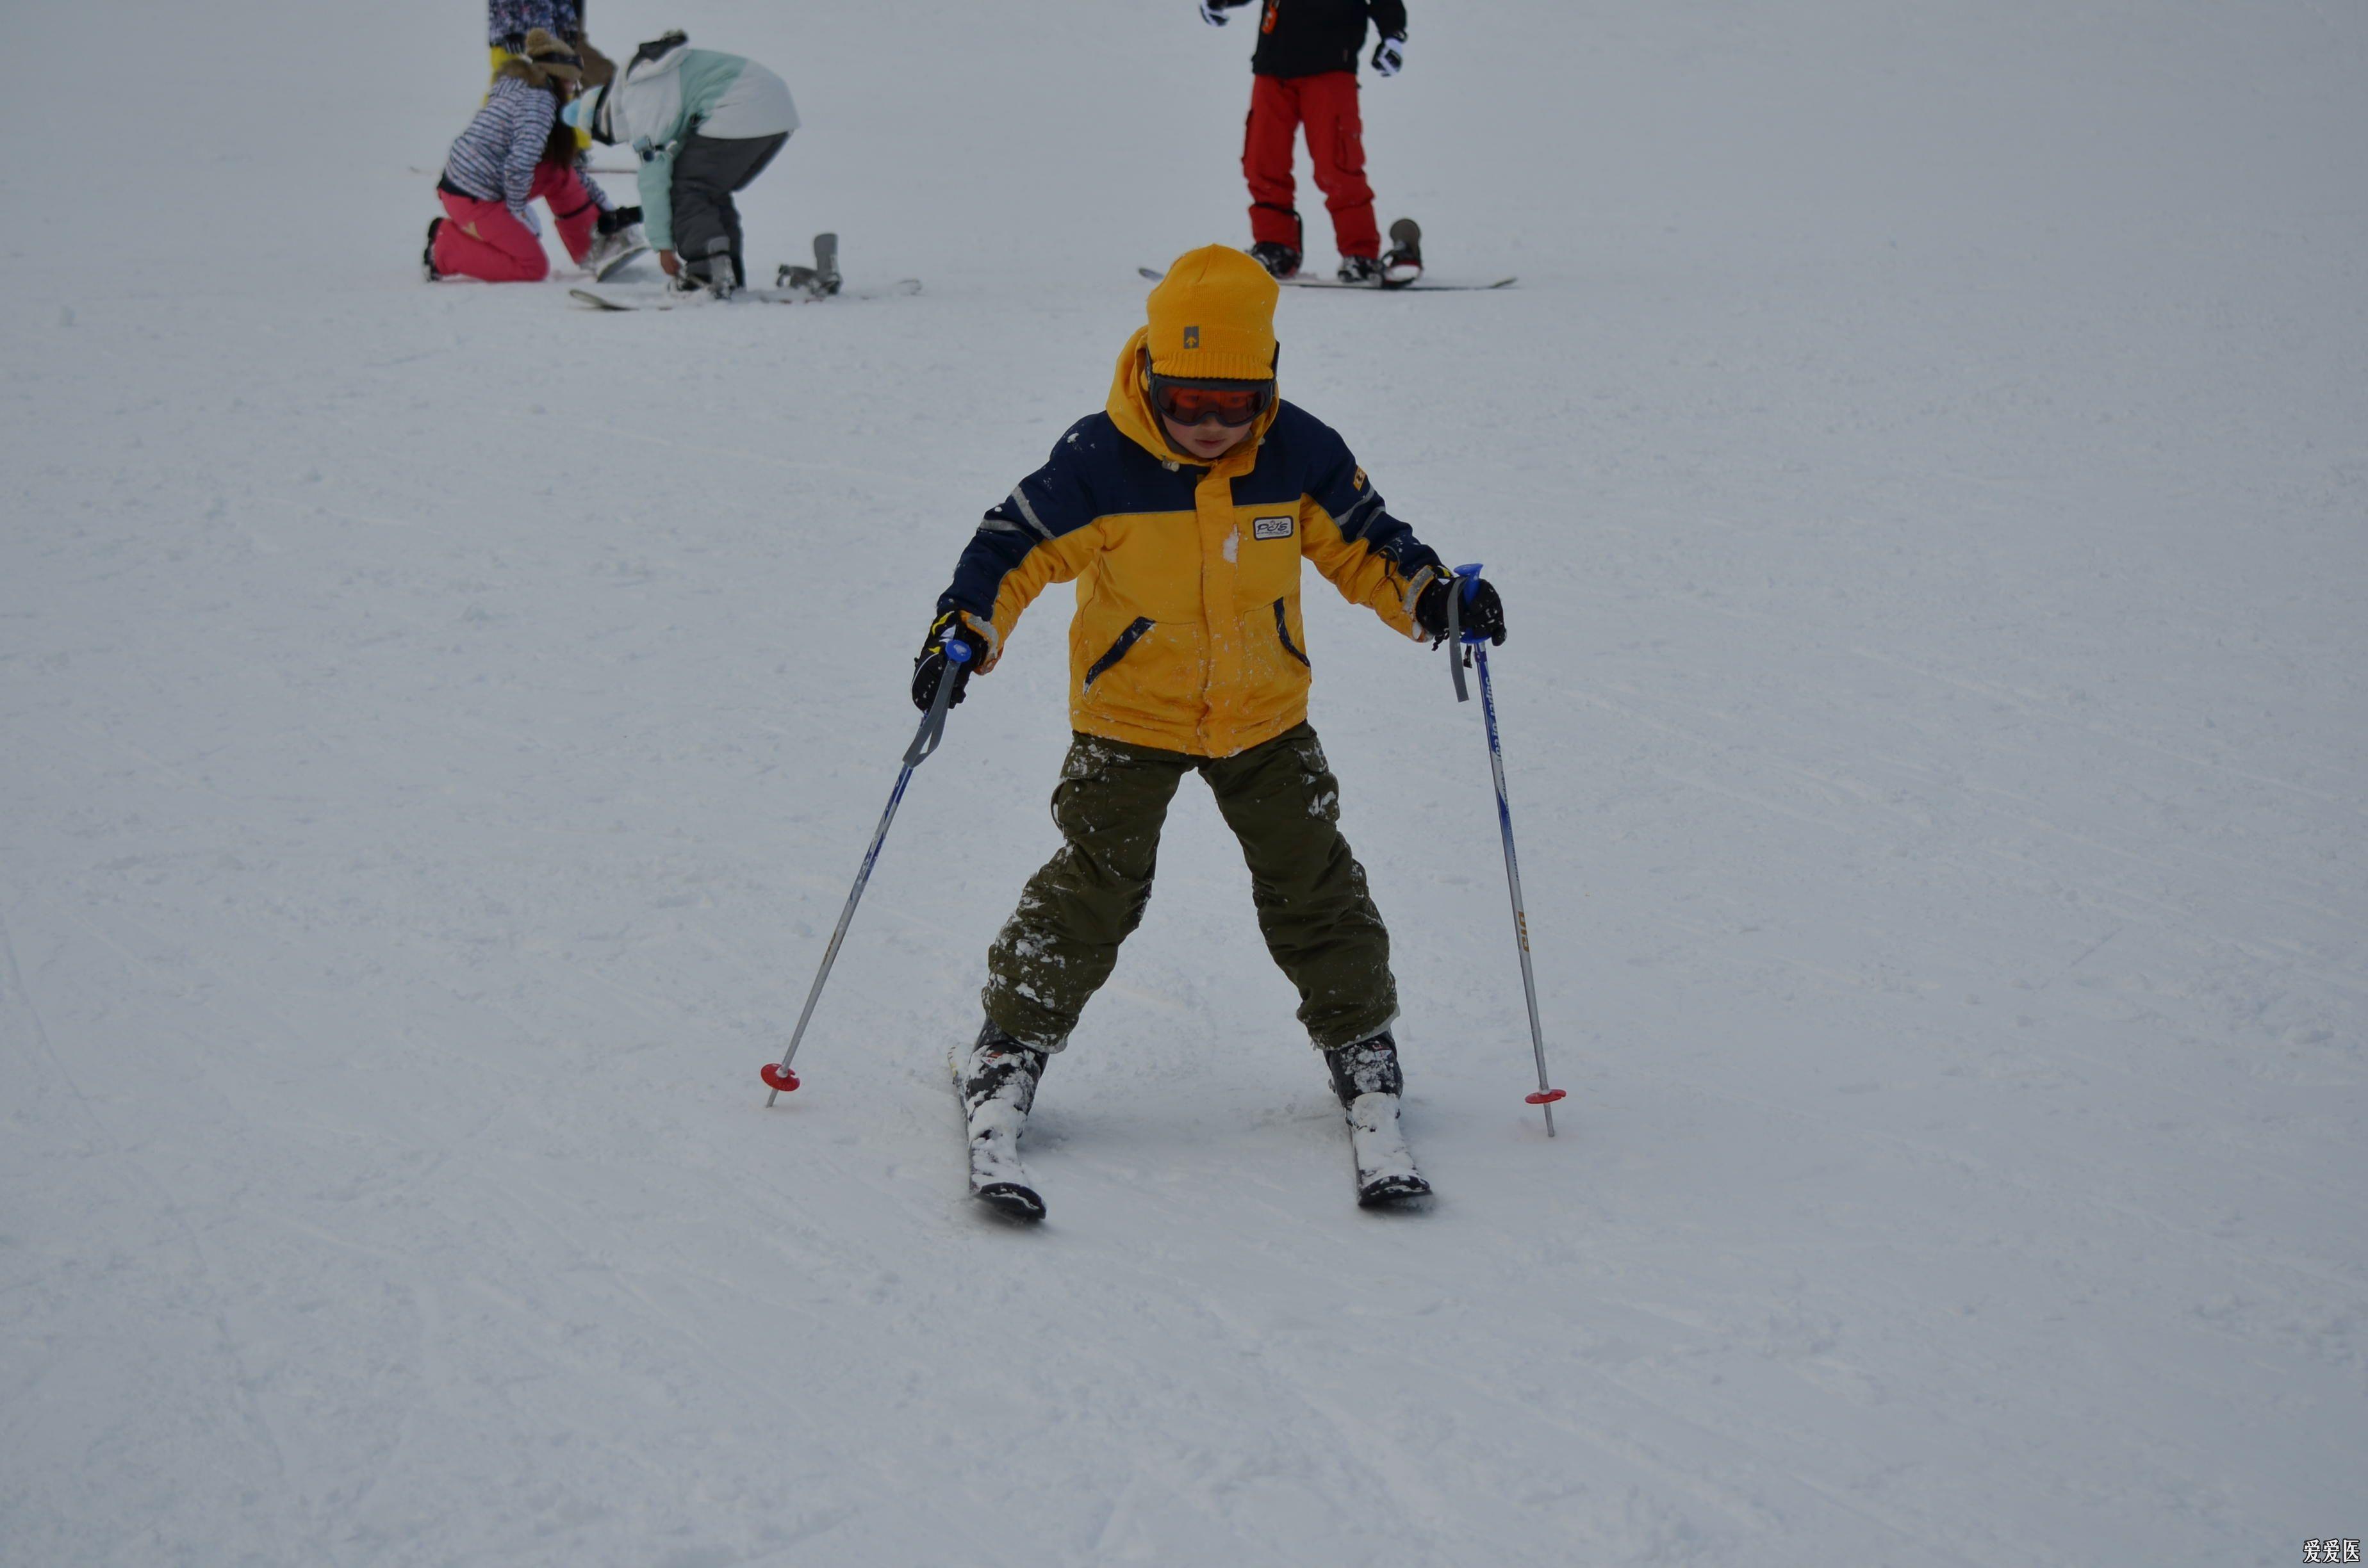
x: 1126, y: 640
x: 1282, y: 629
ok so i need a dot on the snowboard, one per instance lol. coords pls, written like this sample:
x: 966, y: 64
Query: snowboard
x: 793, y: 285
x: 1423, y: 284
x: 662, y: 301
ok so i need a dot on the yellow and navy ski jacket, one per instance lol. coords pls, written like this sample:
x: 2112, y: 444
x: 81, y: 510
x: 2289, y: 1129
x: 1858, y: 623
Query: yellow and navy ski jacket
x: 1188, y: 634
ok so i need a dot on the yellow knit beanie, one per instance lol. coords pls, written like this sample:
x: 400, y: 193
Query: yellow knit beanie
x: 1213, y: 316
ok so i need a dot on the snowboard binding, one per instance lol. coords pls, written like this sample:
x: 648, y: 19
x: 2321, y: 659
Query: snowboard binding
x: 1402, y: 262
x: 820, y: 280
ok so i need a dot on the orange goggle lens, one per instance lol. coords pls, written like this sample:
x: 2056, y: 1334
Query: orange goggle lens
x: 1228, y: 403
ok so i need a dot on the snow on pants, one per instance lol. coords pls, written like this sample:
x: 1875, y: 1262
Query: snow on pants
x: 1327, y: 104
x: 484, y: 239
x: 1283, y: 805
x: 706, y: 172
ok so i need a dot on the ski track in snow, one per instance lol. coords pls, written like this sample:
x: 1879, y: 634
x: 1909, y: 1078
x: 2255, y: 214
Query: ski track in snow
x: 437, y: 727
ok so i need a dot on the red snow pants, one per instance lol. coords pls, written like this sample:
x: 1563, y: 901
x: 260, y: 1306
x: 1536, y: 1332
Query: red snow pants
x: 484, y: 239
x: 1327, y: 104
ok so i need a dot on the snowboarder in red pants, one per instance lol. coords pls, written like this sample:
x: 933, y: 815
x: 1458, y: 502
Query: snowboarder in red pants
x: 1305, y: 73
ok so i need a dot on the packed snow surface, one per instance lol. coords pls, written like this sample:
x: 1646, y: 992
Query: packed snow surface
x: 1926, y: 461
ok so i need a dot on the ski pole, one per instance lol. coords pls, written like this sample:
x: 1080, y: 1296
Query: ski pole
x: 777, y: 1075
x: 1458, y: 643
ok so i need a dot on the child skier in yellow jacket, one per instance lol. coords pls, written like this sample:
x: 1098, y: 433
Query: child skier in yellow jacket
x: 1182, y: 511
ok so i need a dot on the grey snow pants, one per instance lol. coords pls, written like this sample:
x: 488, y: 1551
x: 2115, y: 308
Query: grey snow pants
x: 706, y: 172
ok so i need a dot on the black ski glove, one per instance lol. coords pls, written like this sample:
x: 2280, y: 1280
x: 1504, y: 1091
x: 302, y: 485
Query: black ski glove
x: 1213, y: 11
x: 1481, y: 614
x: 618, y: 218
x: 929, y: 663
x: 1389, y: 57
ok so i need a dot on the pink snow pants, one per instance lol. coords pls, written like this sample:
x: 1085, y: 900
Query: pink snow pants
x: 484, y: 239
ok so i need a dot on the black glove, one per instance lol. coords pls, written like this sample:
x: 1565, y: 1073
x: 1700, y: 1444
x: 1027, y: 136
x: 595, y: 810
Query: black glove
x: 618, y: 218
x: 1481, y: 614
x: 929, y: 663
x: 1389, y: 57
x: 1211, y: 12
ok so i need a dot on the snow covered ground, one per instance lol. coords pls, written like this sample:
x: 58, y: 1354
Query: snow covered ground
x: 1927, y: 462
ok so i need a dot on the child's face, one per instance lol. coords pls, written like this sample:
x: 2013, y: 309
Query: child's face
x: 1209, y: 440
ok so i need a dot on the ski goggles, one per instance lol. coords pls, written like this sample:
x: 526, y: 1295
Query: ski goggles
x: 1188, y: 402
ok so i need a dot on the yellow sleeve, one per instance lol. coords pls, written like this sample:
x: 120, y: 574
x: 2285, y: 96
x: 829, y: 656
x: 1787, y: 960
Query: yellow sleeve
x: 1061, y: 560
x: 1363, y: 575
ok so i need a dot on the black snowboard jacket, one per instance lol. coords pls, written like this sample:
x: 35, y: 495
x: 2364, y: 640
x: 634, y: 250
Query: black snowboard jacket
x: 1307, y: 38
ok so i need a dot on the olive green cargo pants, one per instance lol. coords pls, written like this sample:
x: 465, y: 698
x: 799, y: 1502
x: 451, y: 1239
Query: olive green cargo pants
x: 1281, y: 802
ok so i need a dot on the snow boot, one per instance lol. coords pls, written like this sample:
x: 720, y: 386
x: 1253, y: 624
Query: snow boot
x: 1367, y: 1078
x: 714, y: 272
x: 1363, y: 269
x: 997, y: 1077
x: 1278, y: 258
x: 427, y: 256
x: 615, y: 241
x: 1402, y: 262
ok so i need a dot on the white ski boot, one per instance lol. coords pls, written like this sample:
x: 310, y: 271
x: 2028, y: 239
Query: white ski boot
x: 996, y: 1077
x: 1366, y: 1077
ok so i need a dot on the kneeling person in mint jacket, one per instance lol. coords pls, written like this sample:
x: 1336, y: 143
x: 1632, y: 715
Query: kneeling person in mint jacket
x: 704, y: 125
x: 1183, y: 511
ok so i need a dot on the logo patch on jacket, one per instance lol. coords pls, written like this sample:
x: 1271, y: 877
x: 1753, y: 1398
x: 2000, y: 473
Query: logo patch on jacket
x: 1272, y: 528
x: 1191, y: 337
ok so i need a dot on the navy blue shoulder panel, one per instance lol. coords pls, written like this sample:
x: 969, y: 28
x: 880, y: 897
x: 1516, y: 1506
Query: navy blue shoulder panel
x: 1094, y: 472
x: 1304, y: 457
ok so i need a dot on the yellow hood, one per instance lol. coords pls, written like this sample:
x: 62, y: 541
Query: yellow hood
x: 1130, y: 409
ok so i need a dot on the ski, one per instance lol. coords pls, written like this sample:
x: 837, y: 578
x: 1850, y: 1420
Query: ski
x: 1385, y: 1168
x: 1425, y: 285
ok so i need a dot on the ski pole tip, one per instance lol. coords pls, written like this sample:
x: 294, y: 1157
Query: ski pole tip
x: 778, y: 1079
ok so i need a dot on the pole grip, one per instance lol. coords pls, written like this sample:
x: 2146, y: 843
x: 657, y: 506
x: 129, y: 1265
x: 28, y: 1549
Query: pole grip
x: 1459, y: 588
x: 932, y: 733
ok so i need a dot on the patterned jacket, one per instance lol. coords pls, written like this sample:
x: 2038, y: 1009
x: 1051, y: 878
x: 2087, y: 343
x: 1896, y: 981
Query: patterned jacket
x: 508, y: 21
x: 493, y: 159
